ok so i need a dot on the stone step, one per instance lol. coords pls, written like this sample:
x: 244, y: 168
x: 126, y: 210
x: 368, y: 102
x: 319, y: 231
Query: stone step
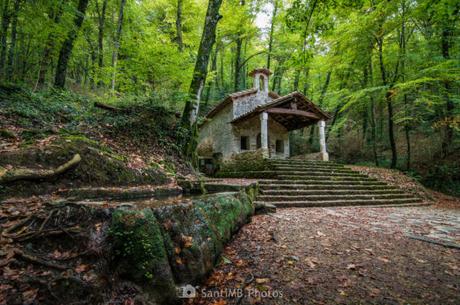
x: 325, y: 178
x: 319, y: 182
x: 371, y: 197
x: 313, y: 187
x: 314, y: 169
x: 318, y: 164
x: 346, y: 202
x: 297, y: 192
x: 319, y: 173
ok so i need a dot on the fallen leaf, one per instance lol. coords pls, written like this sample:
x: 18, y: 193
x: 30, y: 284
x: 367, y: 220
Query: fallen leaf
x: 262, y: 280
x: 351, y: 267
x: 81, y: 268
x: 29, y: 296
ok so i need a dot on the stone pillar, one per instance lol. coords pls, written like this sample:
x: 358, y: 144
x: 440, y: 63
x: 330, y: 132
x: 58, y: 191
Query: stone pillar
x: 322, y: 140
x: 264, y: 134
x: 287, y: 153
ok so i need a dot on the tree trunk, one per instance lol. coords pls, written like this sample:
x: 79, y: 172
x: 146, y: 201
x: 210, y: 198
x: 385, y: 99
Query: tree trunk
x: 100, y: 36
x: 14, y: 24
x: 237, y: 84
x: 67, y: 46
x: 199, y: 74
x: 222, y: 71
x: 403, y: 77
x: 238, y: 59
x: 305, y: 83
x: 391, y: 136
x: 272, y: 29
x: 180, y: 43
x: 372, y: 112
x: 116, y: 43
x: 449, y: 131
x: 49, y: 46
x: 4, y: 33
x: 213, y: 69
x: 325, y: 86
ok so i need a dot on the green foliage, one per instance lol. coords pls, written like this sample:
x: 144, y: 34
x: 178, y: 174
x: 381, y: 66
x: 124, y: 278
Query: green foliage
x: 444, y: 177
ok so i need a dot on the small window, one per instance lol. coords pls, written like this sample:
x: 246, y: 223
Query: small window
x: 280, y: 146
x: 259, y: 141
x: 244, y: 143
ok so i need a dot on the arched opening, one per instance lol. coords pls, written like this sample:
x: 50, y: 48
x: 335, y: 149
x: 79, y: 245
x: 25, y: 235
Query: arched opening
x: 261, y: 83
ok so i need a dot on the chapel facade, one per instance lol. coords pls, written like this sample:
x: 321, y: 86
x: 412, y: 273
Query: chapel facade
x: 258, y: 119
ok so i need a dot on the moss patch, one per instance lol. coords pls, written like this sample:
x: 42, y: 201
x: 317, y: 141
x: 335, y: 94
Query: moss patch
x: 245, y: 165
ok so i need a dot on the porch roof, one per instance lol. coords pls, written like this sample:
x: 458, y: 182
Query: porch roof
x: 303, y: 114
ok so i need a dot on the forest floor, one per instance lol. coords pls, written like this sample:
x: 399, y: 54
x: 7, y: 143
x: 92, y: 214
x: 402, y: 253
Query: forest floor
x: 343, y: 255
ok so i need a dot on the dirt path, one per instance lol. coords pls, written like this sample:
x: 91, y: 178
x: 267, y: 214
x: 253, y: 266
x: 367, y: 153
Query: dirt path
x: 340, y: 256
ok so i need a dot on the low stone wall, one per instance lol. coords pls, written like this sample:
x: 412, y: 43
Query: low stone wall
x: 160, y: 249
x: 246, y: 165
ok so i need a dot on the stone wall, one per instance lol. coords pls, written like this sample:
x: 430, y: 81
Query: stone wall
x: 218, y: 135
x: 219, y: 132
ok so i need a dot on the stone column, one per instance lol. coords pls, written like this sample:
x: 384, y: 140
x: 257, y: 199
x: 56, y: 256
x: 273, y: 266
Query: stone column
x: 264, y: 134
x: 322, y: 140
x: 287, y: 153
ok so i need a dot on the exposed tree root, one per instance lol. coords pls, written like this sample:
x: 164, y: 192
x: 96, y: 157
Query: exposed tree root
x: 7, y: 176
x: 37, y: 260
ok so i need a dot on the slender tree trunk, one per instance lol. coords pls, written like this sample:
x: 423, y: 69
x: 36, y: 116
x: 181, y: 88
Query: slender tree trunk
x: 222, y: 71
x: 403, y: 77
x: 213, y: 70
x: 208, y: 38
x: 180, y: 43
x: 116, y: 43
x: 237, y: 84
x: 67, y: 46
x: 11, y: 51
x: 4, y: 33
x: 238, y: 58
x: 305, y: 84
x: 90, y: 69
x: 100, y: 36
x: 272, y: 29
x: 449, y: 131
x: 325, y: 87
x: 391, y: 136
x: 49, y: 46
x: 372, y: 112
x: 304, y: 46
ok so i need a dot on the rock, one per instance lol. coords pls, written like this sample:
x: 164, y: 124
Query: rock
x: 264, y: 208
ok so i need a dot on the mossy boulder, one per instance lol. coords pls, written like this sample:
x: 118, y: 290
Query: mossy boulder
x: 139, y: 253
x: 178, y: 244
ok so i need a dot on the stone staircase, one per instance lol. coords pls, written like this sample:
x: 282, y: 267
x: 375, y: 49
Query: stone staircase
x: 321, y: 184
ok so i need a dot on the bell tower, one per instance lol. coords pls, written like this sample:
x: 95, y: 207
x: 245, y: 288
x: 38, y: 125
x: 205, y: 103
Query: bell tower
x: 260, y: 77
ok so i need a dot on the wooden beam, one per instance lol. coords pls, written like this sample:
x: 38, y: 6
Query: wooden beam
x: 306, y: 114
